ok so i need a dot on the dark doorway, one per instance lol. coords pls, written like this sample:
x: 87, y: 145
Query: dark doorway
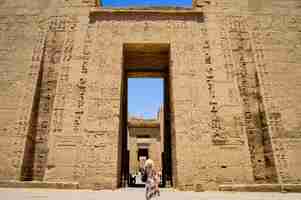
x: 146, y: 61
x: 142, y: 153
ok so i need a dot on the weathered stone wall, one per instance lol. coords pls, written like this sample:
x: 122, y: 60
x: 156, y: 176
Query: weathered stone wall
x: 234, y: 77
x: 31, y: 38
x: 270, y: 32
x: 192, y: 106
x: 280, y: 76
x: 80, y: 146
x: 83, y: 119
x: 233, y: 55
x: 21, y: 47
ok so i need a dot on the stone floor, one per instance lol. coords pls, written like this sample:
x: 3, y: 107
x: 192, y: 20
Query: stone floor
x: 136, y: 194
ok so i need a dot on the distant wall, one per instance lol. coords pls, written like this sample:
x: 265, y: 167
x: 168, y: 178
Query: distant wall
x: 153, y: 141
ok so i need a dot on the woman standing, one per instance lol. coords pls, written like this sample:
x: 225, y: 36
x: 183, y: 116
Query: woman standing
x: 151, y: 185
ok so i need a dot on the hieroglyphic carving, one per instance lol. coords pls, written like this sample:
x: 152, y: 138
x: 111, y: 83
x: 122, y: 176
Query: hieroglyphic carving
x: 52, y: 57
x: 69, y: 25
x: 90, y: 103
x: 281, y: 154
x: 90, y: 142
x: 271, y: 116
x: 218, y: 136
x: 239, y: 43
x: 274, y: 114
x: 59, y: 57
x: 58, y: 24
x: 82, y: 83
x: 27, y: 122
x: 235, y: 136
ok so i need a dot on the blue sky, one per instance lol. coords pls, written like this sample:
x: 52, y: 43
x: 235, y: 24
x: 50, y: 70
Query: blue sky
x: 125, y: 3
x: 145, y: 95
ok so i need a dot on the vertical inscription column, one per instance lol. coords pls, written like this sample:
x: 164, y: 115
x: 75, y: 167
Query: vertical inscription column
x: 51, y: 61
x: 81, y: 169
x: 26, y: 125
x: 240, y: 45
x: 275, y: 149
x: 240, y: 40
x: 218, y: 136
x: 106, y: 98
x: 56, y: 139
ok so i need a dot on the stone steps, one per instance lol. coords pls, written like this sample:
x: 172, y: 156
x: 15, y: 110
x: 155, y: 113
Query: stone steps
x: 261, y: 187
x: 39, y: 184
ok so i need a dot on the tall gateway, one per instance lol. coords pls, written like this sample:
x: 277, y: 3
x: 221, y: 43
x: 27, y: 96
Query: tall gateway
x: 232, y: 92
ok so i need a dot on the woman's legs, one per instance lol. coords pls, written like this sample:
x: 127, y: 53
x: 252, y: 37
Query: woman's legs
x: 147, y: 190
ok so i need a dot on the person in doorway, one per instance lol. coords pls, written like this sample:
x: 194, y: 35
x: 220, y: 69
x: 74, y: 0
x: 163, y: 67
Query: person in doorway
x: 151, y: 185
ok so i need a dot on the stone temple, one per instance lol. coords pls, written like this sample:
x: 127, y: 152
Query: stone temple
x: 232, y: 92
